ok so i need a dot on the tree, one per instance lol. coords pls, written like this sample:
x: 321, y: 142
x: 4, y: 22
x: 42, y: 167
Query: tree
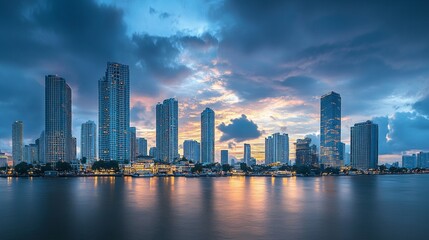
x: 226, y: 168
x: 83, y: 160
x: 63, y: 166
x: 197, y: 168
x: 22, y: 168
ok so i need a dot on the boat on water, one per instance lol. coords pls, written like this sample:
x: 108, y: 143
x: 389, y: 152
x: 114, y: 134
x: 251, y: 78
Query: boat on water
x: 142, y: 175
x: 281, y: 174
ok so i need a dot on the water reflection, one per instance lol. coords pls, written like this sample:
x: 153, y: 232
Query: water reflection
x: 214, y: 208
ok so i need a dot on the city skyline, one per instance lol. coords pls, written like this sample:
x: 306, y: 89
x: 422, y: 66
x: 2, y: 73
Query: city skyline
x: 275, y: 79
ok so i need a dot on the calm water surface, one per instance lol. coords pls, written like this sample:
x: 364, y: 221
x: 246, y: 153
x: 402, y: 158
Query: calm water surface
x: 361, y: 207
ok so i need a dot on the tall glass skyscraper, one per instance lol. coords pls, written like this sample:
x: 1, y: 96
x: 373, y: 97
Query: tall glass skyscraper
x: 191, y: 150
x: 133, y: 143
x: 207, y: 136
x: 167, y: 130
x: 247, y: 154
x: 58, y: 120
x: 88, y: 142
x: 142, y: 147
x: 17, y: 142
x: 330, y: 129
x: 364, y: 145
x: 114, y: 113
x: 224, y: 157
x: 277, y: 148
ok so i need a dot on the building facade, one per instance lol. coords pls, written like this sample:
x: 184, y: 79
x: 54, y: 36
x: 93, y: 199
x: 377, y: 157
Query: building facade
x: 58, y: 120
x: 423, y: 160
x: 133, y: 144
x: 277, y: 148
x: 167, y: 130
x: 330, y: 130
x: 114, y: 114
x: 364, y: 145
x: 305, y: 154
x: 153, y: 152
x: 224, y: 157
x: 142, y: 147
x: 191, y: 150
x: 247, y: 154
x: 17, y: 142
x: 208, y: 136
x: 88, y: 141
x: 409, y: 161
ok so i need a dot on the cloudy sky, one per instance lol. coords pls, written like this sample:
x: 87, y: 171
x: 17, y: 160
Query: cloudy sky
x: 262, y: 66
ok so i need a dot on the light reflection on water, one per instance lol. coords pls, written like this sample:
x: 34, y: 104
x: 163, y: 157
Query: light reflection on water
x: 363, y: 207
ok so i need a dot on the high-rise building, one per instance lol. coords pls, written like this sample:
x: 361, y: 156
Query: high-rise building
x: 73, y: 149
x: 305, y: 154
x: 330, y: 129
x: 31, y: 155
x: 247, y: 154
x: 153, y: 152
x: 58, y: 120
x: 17, y: 142
x: 41, y: 147
x: 133, y: 144
x: 167, y: 130
x: 88, y: 142
x: 277, y: 148
x: 423, y: 160
x: 364, y: 145
x: 114, y: 113
x: 409, y: 161
x: 224, y: 157
x: 142, y: 147
x: 207, y: 136
x: 191, y: 150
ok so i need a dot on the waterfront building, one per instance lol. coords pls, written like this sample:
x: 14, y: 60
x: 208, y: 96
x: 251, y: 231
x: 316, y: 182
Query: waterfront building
x: 304, y: 154
x: 153, y: 152
x: 423, y: 160
x: 41, y: 144
x: 58, y: 120
x: 133, y: 144
x: 247, y: 154
x: 224, y: 157
x: 17, y: 142
x: 114, y: 113
x: 277, y: 148
x: 31, y: 155
x: 88, y: 142
x: 167, y: 130
x: 191, y: 150
x: 330, y: 130
x: 207, y: 136
x: 364, y: 145
x: 141, y: 147
x: 409, y: 161
x: 3, y: 159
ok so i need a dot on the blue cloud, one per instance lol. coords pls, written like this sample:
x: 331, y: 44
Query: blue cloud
x: 240, y: 129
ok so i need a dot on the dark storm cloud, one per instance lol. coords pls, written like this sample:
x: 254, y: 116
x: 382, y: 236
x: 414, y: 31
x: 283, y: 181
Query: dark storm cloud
x: 403, y: 132
x: 422, y: 106
x: 240, y: 129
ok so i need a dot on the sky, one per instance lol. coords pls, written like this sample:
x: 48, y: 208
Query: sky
x: 261, y: 66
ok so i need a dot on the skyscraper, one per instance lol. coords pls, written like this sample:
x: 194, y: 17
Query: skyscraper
x: 133, y: 144
x: 409, y: 161
x: 88, y: 142
x: 191, y: 150
x: 277, y: 148
x: 247, y: 154
x: 303, y: 153
x: 330, y: 129
x: 153, y: 152
x: 207, y: 136
x: 73, y: 149
x: 114, y: 113
x: 364, y: 145
x: 224, y: 157
x: 142, y: 147
x: 423, y: 160
x: 17, y: 142
x: 58, y: 120
x: 42, y: 147
x: 31, y: 155
x: 167, y: 130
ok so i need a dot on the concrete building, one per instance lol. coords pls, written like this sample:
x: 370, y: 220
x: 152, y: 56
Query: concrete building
x: 58, y: 120
x: 167, y: 130
x: 114, y: 113
x: 224, y: 157
x: 364, y: 145
x: 17, y: 142
x: 330, y: 130
x: 409, y: 161
x: 88, y: 141
x: 191, y: 150
x: 208, y: 136
x: 277, y: 148
x: 141, y: 147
